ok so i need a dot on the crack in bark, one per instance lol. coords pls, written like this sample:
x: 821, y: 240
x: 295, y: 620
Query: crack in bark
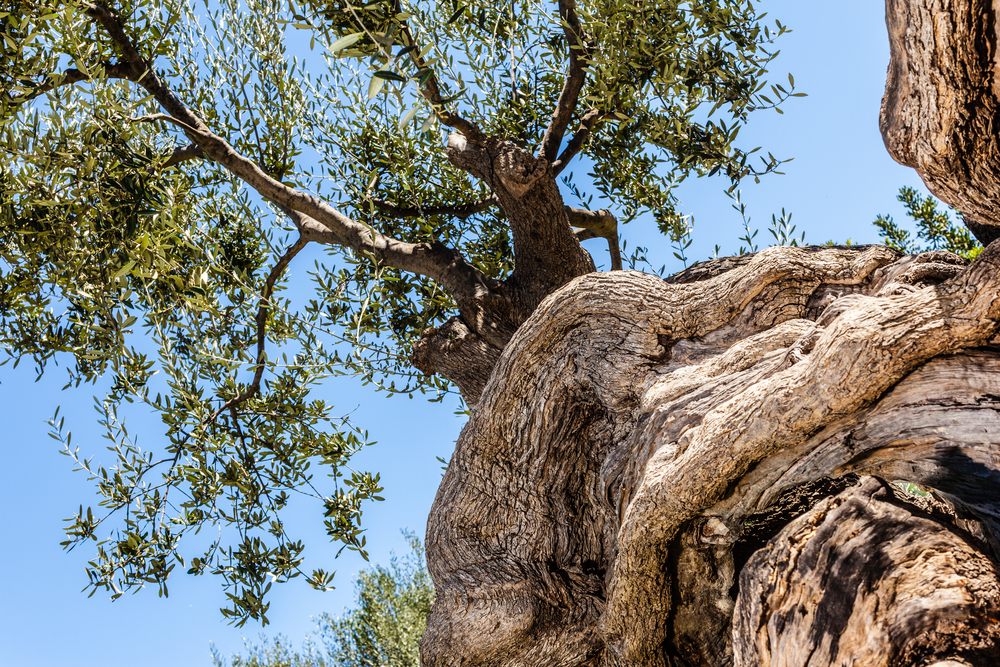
x: 865, y: 351
x: 933, y: 592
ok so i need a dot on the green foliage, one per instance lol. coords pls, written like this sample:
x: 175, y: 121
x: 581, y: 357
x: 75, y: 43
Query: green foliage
x: 934, y: 227
x: 781, y: 228
x: 163, y: 281
x: 911, y: 489
x: 384, y: 628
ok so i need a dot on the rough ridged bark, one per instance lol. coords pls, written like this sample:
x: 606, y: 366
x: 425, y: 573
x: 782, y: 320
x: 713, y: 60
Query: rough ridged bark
x: 631, y: 425
x: 649, y: 459
x: 939, y: 113
x: 866, y: 579
x: 548, y: 254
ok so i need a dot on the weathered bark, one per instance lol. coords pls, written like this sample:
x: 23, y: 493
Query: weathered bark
x: 594, y: 503
x: 548, y: 254
x: 939, y: 113
x: 866, y: 578
x: 649, y: 460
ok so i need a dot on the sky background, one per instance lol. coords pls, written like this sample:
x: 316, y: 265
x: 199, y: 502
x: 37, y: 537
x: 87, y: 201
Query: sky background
x: 840, y: 179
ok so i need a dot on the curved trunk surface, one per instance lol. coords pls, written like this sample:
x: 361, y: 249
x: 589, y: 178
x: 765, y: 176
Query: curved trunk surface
x: 601, y: 501
x: 694, y: 471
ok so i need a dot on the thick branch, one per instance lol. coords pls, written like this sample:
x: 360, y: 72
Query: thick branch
x: 444, y: 264
x: 309, y: 229
x: 587, y: 123
x: 942, y: 97
x: 432, y: 260
x: 596, y: 224
x: 575, y: 78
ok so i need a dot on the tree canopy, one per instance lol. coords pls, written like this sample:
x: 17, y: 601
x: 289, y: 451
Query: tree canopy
x: 166, y: 161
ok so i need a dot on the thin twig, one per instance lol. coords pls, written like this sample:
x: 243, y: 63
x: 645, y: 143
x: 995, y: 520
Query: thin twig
x: 262, y: 309
x: 183, y: 154
x: 69, y: 77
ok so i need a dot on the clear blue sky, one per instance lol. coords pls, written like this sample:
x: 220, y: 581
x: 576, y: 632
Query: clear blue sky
x: 840, y: 180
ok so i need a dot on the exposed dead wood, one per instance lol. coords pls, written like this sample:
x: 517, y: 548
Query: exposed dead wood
x: 867, y: 579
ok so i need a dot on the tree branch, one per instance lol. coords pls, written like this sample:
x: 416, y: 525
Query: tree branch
x: 587, y: 123
x: 458, y: 210
x: 594, y: 224
x: 575, y: 78
x: 430, y: 89
x: 309, y: 229
x: 166, y: 118
x: 263, y: 305
x: 434, y: 260
x: 69, y: 77
x: 183, y: 154
x: 431, y: 92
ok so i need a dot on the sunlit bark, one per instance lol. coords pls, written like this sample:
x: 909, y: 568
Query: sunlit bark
x: 667, y: 472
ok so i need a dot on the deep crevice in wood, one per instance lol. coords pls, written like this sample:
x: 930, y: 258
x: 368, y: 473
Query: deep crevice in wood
x: 633, y: 423
x: 867, y: 550
x: 760, y: 527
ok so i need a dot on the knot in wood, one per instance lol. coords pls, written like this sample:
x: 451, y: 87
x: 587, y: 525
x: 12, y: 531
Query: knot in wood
x: 499, y: 163
x: 517, y: 169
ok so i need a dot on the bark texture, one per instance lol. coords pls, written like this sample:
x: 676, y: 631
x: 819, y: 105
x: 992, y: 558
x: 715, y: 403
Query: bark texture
x: 907, y: 589
x: 939, y: 113
x: 596, y: 503
x: 687, y: 472
x: 548, y: 253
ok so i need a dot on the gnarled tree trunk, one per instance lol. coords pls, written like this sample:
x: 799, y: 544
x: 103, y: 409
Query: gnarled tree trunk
x: 667, y: 472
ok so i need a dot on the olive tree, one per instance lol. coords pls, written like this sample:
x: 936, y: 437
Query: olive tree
x: 169, y: 161
x: 681, y: 471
